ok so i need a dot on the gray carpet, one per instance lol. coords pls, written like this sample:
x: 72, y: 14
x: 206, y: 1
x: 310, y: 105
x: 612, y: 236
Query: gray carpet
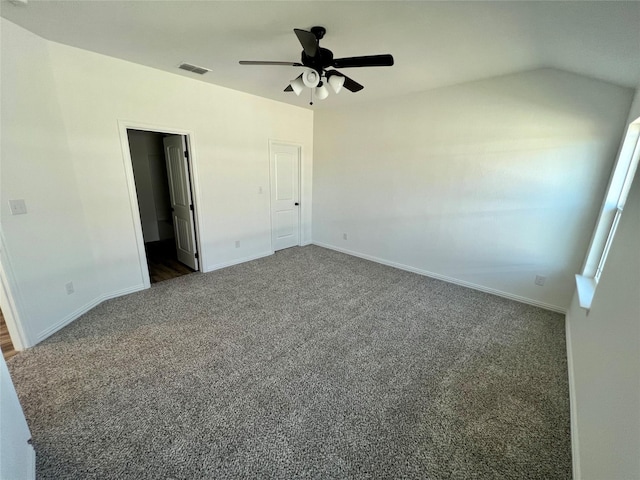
x: 305, y: 364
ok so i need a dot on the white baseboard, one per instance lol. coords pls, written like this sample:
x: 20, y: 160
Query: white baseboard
x: 98, y: 300
x: 573, y: 406
x: 84, y: 309
x: 437, y: 276
x: 218, y: 266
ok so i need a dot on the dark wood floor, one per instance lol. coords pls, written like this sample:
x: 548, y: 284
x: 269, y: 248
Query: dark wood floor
x: 5, y: 340
x: 163, y: 261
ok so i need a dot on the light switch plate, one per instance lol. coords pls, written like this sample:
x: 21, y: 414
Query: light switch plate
x: 17, y: 207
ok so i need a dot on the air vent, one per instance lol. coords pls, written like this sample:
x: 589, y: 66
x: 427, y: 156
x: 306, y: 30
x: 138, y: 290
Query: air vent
x: 194, y: 68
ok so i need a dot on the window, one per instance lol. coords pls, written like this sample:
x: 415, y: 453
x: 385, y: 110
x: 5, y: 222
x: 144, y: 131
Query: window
x: 612, y: 208
x: 607, y: 245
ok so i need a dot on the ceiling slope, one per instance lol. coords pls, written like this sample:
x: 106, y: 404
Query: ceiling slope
x: 434, y: 44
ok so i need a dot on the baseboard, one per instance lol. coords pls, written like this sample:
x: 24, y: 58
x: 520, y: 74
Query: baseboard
x: 437, y: 276
x: 84, y: 309
x: 218, y: 266
x: 573, y: 406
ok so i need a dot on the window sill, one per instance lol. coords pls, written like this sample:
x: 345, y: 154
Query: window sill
x: 586, y: 287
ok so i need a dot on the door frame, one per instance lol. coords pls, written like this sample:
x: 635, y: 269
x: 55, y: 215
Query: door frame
x: 123, y: 126
x: 11, y: 302
x: 298, y: 146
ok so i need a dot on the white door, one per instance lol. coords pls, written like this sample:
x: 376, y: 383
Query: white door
x: 182, y: 212
x: 285, y: 196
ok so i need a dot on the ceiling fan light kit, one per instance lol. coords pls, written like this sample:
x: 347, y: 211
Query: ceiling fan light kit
x: 336, y: 82
x: 318, y: 60
x: 297, y: 85
x: 322, y: 91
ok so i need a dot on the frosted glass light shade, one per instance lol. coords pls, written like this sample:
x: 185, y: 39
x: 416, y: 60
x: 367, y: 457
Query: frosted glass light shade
x: 322, y: 91
x: 297, y: 85
x: 336, y: 82
x: 311, y: 78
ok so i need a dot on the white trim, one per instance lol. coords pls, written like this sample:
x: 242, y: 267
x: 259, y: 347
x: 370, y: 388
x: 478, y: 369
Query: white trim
x: 617, y: 189
x: 573, y: 407
x: 133, y: 201
x: 302, y: 204
x: 437, y: 276
x: 586, y: 288
x: 123, y: 125
x: 607, y: 244
x: 84, y: 309
x: 12, y: 302
x: 218, y: 266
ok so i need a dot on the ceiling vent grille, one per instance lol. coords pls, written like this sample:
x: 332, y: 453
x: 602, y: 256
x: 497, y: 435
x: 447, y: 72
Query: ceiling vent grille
x: 194, y: 68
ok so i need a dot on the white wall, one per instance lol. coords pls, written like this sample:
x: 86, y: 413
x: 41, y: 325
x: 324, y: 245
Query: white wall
x: 488, y: 183
x: 17, y: 457
x: 62, y: 152
x: 49, y: 246
x: 604, y: 358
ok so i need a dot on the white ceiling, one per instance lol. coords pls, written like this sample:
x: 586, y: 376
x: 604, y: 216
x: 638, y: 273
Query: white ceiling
x: 434, y: 43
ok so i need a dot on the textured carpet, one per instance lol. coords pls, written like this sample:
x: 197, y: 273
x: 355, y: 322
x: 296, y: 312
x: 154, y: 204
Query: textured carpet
x: 305, y: 364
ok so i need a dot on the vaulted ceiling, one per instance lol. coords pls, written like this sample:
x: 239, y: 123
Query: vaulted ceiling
x: 435, y: 44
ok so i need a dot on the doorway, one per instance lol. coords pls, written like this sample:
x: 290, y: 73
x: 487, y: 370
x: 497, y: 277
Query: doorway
x: 162, y: 177
x: 285, y: 195
x: 6, y: 344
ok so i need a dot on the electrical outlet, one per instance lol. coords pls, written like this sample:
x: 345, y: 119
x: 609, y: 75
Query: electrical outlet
x: 237, y: 243
x: 540, y: 280
x: 344, y: 236
x: 69, y: 288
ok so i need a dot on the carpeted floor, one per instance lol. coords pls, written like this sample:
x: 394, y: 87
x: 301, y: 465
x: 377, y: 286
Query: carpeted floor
x: 305, y: 364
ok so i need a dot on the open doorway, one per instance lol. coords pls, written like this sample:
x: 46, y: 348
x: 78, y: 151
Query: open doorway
x: 161, y: 173
x: 6, y: 344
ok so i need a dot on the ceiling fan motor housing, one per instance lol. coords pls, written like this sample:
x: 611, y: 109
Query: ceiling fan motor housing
x: 322, y: 59
x: 319, y: 61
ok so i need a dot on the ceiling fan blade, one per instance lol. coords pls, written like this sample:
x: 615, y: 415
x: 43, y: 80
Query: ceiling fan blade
x: 289, y: 88
x: 385, y: 60
x: 352, y: 85
x: 308, y: 41
x: 349, y: 83
x: 259, y: 62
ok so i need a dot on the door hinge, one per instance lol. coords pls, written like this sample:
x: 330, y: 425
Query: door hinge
x: 186, y: 154
x: 191, y: 207
x: 197, y: 256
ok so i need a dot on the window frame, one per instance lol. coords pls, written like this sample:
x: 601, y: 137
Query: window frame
x: 610, y: 213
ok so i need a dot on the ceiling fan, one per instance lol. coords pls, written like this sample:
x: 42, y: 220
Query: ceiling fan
x: 318, y: 60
